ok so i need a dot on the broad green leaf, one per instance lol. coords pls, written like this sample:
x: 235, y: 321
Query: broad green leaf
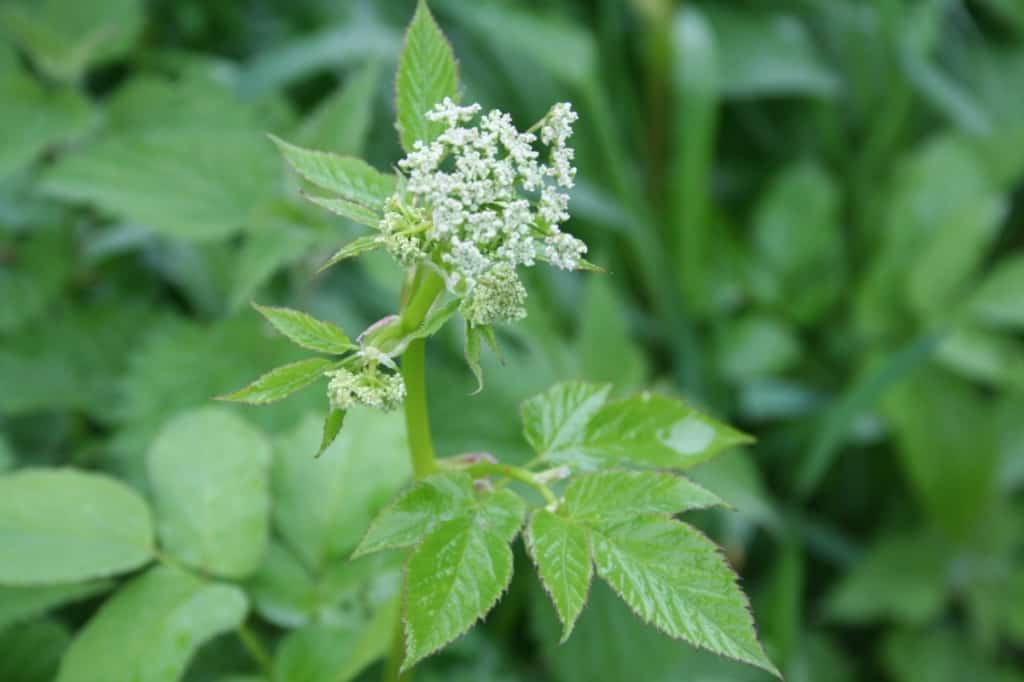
x: 471, y: 353
x: 999, y: 300
x: 611, y: 496
x: 209, y: 471
x: 307, y: 331
x: 280, y: 383
x: 503, y: 513
x: 332, y: 426
x: 350, y: 178
x: 62, y: 525
x: 427, y: 73
x: 314, y: 653
x: 352, y: 249
x: 32, y: 652
x: 561, y: 550
x: 154, y: 624
x: 604, y: 343
x: 283, y: 590
x: 263, y: 253
x: 436, y: 318
x: 42, y: 265
x: 42, y: 118
x: 342, y: 120
x: 554, y: 420
x: 23, y: 603
x: 434, y: 499
x: 799, y: 266
x: 357, y: 213
x: 375, y: 641
x: 945, y: 431
x: 64, y: 39
x: 453, y: 578
x: 130, y: 176
x: 323, y: 506
x: 646, y: 430
x: 674, y: 578
x: 757, y: 346
x: 900, y: 579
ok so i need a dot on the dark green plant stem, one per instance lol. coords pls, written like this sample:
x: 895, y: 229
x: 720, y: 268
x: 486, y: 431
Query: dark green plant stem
x: 255, y: 648
x: 427, y: 285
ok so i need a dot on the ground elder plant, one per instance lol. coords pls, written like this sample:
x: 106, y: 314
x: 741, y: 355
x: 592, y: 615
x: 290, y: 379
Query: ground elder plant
x: 474, y: 201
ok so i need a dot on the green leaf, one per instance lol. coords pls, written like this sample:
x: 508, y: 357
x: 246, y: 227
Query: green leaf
x: 42, y: 265
x: 997, y: 301
x: 154, y: 623
x: 427, y: 73
x: 322, y: 507
x: 23, y: 603
x: 675, y: 578
x: 611, y: 496
x: 280, y: 382
x: 210, y: 476
x: 350, y: 178
x: 453, y: 578
x: 604, y: 343
x: 64, y: 40
x: 433, y: 500
x: 32, y: 652
x: 357, y: 213
x: 314, y: 653
x: 352, y: 249
x: 899, y: 579
x: 342, y: 120
x: 306, y: 331
x: 553, y: 420
x: 436, y: 318
x: 62, y: 525
x: 267, y: 248
x: 645, y: 430
x: 332, y: 426
x: 129, y: 175
x: 42, y: 118
x: 561, y: 550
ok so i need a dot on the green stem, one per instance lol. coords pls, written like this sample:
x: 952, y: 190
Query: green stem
x: 485, y: 468
x: 255, y: 648
x: 428, y: 285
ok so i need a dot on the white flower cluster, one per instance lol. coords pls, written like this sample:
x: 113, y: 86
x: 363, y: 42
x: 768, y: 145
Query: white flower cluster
x: 479, y: 202
x: 370, y: 386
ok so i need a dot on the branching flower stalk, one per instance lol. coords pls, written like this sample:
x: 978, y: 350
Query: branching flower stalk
x: 473, y: 202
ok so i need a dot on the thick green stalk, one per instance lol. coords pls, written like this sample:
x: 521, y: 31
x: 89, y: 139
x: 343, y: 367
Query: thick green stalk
x: 416, y: 304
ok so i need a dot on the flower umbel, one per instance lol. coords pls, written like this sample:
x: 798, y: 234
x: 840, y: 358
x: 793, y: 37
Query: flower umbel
x: 479, y: 201
x: 370, y: 386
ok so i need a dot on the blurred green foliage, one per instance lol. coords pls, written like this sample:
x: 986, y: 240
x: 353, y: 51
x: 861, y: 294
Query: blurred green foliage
x: 811, y: 214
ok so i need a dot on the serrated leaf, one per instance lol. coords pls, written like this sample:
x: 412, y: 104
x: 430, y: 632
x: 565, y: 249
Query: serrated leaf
x: 306, y: 331
x: 62, y: 525
x: 553, y: 420
x: 560, y: 549
x: 675, y: 578
x: 610, y: 496
x: 434, y: 499
x: 357, y: 213
x: 350, y: 178
x: 427, y: 73
x: 19, y: 604
x: 332, y: 426
x: 435, y: 319
x: 209, y: 471
x: 502, y: 512
x: 352, y: 249
x: 154, y: 623
x: 647, y: 430
x: 280, y: 382
x: 453, y: 578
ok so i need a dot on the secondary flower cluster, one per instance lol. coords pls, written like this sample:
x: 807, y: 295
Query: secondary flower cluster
x: 370, y: 386
x: 479, y: 201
